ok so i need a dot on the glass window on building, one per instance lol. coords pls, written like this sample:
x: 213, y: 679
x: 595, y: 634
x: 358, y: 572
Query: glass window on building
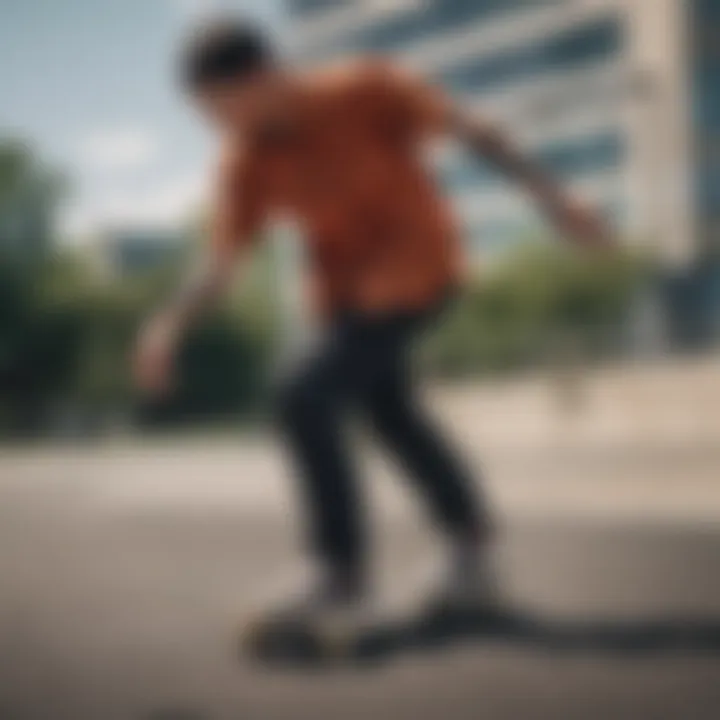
x: 303, y: 7
x: 434, y: 17
x: 594, y: 154
x: 706, y: 26
x: 572, y: 49
x: 567, y: 159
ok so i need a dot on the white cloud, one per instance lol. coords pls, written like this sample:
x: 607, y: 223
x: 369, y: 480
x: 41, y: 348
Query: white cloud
x: 166, y: 205
x: 190, y: 7
x: 194, y: 8
x: 118, y: 149
x: 198, y: 8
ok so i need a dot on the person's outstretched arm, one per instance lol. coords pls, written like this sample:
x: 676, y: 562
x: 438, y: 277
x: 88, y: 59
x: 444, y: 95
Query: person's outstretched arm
x: 425, y: 110
x: 576, y: 221
x: 235, y: 222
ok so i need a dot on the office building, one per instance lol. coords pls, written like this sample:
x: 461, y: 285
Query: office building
x: 619, y: 97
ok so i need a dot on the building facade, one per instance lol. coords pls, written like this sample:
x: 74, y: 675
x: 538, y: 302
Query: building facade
x: 705, y: 21
x: 615, y: 96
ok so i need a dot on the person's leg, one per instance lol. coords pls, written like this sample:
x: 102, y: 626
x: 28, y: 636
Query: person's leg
x: 312, y: 408
x: 455, y: 503
x: 402, y: 424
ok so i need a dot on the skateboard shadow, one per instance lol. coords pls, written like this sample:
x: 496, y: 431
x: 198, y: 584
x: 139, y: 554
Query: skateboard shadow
x: 676, y: 635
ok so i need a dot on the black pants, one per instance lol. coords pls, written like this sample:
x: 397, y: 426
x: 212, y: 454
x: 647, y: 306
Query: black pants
x: 363, y: 365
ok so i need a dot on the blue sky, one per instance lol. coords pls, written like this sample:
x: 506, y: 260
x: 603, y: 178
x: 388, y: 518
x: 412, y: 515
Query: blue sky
x: 90, y: 84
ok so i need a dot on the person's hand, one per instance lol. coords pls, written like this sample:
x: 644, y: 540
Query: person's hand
x: 582, y: 224
x: 154, y: 356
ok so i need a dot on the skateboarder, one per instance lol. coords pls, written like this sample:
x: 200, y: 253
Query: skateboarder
x: 340, y: 150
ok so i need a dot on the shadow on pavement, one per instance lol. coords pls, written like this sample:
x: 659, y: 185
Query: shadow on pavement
x: 304, y: 645
x: 696, y: 635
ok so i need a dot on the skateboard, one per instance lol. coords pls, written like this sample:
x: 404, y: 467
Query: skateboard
x: 331, y: 641
x: 318, y: 640
x: 319, y: 643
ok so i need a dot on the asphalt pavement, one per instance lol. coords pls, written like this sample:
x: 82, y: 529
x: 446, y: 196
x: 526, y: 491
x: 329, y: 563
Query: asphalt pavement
x: 126, y: 571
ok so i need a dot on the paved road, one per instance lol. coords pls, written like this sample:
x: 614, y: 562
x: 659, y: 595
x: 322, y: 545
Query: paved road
x: 125, y: 571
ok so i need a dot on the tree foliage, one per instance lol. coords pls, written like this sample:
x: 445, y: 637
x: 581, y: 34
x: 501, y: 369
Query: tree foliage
x: 66, y: 332
x: 539, y: 304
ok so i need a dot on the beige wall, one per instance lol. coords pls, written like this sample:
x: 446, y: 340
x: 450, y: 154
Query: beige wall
x: 658, y: 117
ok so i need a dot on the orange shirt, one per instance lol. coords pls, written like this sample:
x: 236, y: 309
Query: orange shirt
x: 378, y: 234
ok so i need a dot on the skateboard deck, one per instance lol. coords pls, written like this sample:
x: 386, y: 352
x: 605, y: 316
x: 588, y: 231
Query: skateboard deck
x: 398, y: 626
x: 321, y: 641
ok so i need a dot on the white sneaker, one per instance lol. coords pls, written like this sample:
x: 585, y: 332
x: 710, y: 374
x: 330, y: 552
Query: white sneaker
x: 469, y: 581
x: 319, y: 598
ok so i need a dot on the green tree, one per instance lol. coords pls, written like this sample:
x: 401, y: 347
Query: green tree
x: 29, y: 195
x: 36, y: 339
x: 542, y: 303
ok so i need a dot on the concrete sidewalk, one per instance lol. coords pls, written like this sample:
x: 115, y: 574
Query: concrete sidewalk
x: 126, y: 568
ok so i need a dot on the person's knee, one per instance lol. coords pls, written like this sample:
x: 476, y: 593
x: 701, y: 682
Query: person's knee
x: 292, y: 403
x: 389, y: 413
x: 300, y: 402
